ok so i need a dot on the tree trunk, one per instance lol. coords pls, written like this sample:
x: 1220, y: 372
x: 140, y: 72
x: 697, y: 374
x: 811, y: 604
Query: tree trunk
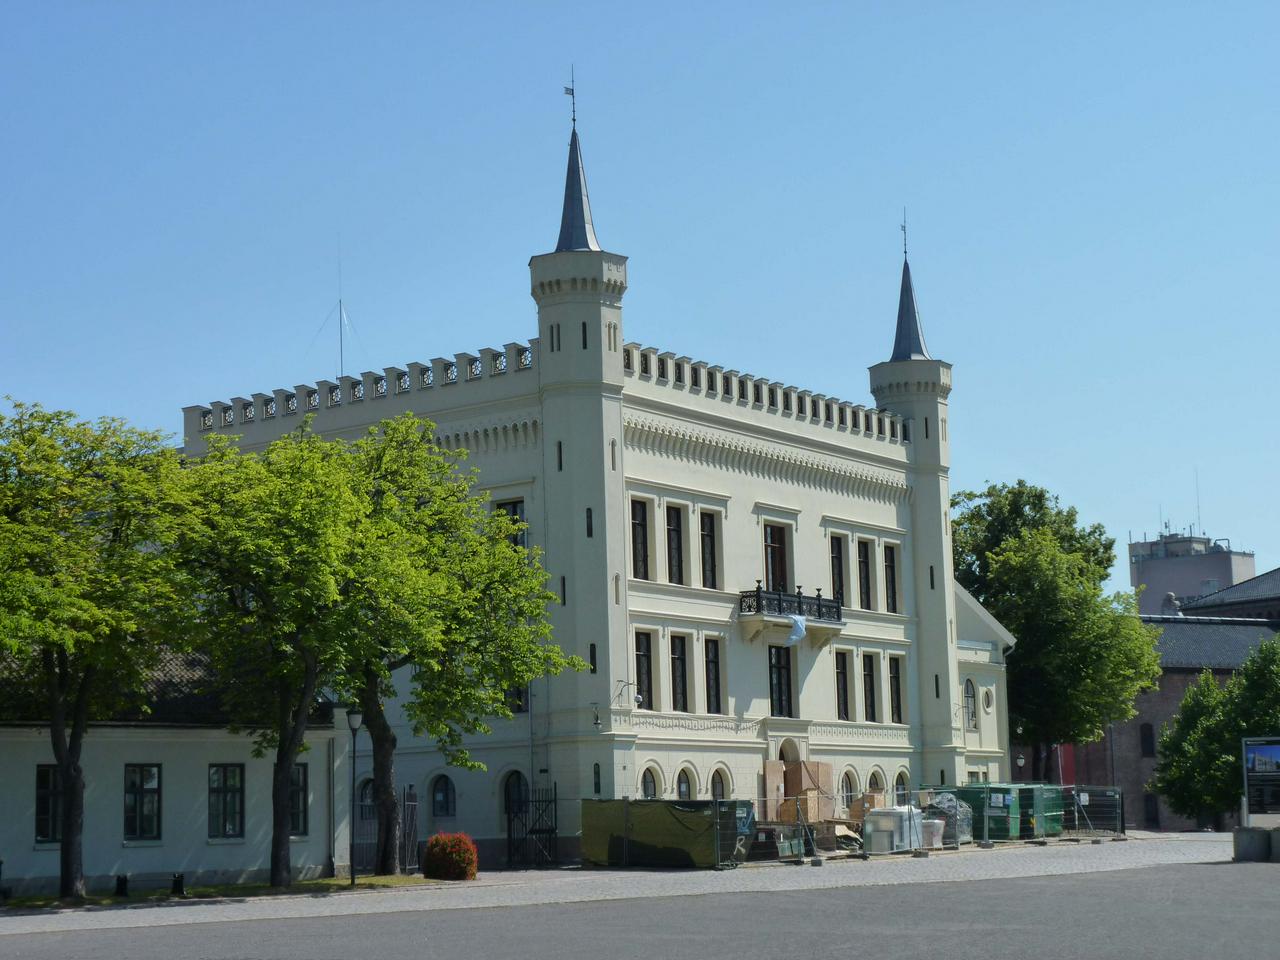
x: 71, y: 852
x: 293, y: 709
x: 60, y: 687
x: 384, y: 777
x: 281, y: 776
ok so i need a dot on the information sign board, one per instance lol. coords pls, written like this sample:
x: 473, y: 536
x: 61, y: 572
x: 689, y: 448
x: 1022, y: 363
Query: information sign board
x: 1262, y: 781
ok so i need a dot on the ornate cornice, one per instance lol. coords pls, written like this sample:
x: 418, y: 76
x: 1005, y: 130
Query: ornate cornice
x: 682, y: 442
x: 683, y: 722
x: 860, y: 733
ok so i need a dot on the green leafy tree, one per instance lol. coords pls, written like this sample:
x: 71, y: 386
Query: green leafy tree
x: 985, y: 519
x: 1082, y: 657
x: 87, y: 587
x: 445, y: 590
x: 1199, y: 766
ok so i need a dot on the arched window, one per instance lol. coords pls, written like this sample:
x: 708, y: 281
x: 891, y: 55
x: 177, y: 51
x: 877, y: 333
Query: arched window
x: 444, y: 802
x: 970, y: 705
x: 717, y: 786
x: 875, y: 784
x: 364, y: 801
x: 1148, y: 735
x: 900, y: 790
x: 649, y: 786
x: 684, y: 790
x: 848, y: 791
x: 515, y: 793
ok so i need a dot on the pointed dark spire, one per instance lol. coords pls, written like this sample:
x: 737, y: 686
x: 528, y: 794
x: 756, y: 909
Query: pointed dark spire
x: 908, y: 342
x: 576, y: 231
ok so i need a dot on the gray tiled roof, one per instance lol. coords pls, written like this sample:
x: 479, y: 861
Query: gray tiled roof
x: 576, y: 230
x: 1265, y: 586
x: 1220, y: 643
x: 908, y: 339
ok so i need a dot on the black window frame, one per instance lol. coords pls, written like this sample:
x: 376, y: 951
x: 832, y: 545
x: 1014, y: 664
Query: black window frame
x: 226, y: 802
x: 138, y: 792
x: 837, y: 568
x: 707, y: 540
x: 299, y: 801
x: 675, y: 545
x: 711, y: 658
x: 869, y: 711
x: 895, y: 690
x: 775, y: 557
x: 781, y: 701
x: 444, y: 796
x: 639, y: 538
x: 970, y: 705
x: 864, y: 574
x: 717, y: 785
x: 1147, y: 740
x: 516, y: 699
x: 684, y: 785
x: 680, y: 673
x: 48, y: 812
x: 515, y: 510
x: 842, y: 685
x: 890, y: 578
x: 644, y: 669
x: 648, y: 785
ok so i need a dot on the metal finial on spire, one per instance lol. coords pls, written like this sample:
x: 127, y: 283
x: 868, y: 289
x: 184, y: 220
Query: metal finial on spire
x: 904, y: 233
x: 571, y: 92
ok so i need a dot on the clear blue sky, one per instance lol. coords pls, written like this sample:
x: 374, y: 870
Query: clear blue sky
x: 1093, y: 196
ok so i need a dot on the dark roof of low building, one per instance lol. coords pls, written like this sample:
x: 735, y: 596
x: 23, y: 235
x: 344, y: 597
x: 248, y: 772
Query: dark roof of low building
x: 1219, y: 643
x: 1265, y: 586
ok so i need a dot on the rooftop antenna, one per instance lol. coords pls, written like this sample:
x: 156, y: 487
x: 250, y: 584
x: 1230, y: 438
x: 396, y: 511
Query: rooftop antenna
x: 904, y: 233
x: 573, y: 98
x: 1199, y: 522
x: 342, y: 358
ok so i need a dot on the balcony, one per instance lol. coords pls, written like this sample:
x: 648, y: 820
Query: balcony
x: 760, y: 609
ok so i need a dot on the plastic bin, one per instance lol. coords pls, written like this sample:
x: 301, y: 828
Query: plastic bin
x: 931, y: 834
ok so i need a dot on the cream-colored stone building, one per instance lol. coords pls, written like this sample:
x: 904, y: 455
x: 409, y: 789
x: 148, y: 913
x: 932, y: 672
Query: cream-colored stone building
x: 687, y: 513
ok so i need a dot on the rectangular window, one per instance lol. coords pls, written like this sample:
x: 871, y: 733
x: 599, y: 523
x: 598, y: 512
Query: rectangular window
x: 775, y: 557
x: 780, y: 682
x: 644, y: 671
x: 142, y: 801
x: 675, y: 544
x: 226, y: 800
x: 708, y: 539
x: 679, y: 674
x: 837, y: 569
x: 869, y: 687
x: 895, y: 689
x: 711, y: 382
x: 48, y: 804
x: 864, y: 574
x: 842, y: 686
x: 515, y: 510
x: 713, y: 674
x: 517, y: 699
x: 639, y: 539
x: 890, y: 578
x: 298, y: 800
x: 695, y: 377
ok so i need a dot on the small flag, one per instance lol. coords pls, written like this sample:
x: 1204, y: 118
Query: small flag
x: 568, y: 91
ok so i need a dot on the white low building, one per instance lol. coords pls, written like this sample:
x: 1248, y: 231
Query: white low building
x: 171, y: 792
x: 686, y: 513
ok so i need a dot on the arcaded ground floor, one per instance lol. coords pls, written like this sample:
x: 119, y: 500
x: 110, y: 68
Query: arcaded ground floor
x: 1172, y: 897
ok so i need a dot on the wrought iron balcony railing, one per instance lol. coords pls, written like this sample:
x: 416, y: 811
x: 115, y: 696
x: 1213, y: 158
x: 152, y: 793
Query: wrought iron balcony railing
x: 777, y: 604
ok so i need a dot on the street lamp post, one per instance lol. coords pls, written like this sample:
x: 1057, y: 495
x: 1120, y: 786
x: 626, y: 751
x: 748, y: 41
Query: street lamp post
x: 354, y: 719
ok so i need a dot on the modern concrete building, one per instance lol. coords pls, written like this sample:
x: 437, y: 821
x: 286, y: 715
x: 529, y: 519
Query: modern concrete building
x: 755, y: 571
x: 1189, y: 567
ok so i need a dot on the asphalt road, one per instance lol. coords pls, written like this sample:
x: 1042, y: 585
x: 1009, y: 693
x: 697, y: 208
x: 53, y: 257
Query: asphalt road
x: 1218, y: 910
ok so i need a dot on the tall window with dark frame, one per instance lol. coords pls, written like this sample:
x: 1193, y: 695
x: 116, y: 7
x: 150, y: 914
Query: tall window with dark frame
x: 1147, y: 736
x: 298, y: 801
x: 712, y: 657
x: 679, y: 674
x: 515, y: 510
x: 48, y: 804
x: 707, y: 528
x: 842, y: 686
x: 639, y: 539
x: 837, y: 569
x: 675, y: 544
x: 444, y: 798
x: 869, y: 687
x: 775, y: 557
x: 780, y: 704
x: 890, y: 578
x: 970, y: 705
x: 226, y: 800
x: 517, y: 699
x: 895, y: 690
x: 864, y: 574
x: 644, y: 671
x: 142, y: 801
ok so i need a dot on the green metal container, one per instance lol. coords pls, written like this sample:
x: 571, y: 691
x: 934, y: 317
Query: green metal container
x: 666, y: 833
x: 999, y: 804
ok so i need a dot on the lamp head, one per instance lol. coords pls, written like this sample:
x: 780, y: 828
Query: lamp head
x: 1021, y: 761
x: 354, y: 718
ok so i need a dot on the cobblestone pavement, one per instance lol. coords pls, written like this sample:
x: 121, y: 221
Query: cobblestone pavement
x: 524, y: 888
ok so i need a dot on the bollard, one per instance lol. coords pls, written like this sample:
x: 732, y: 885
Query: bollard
x: 179, y: 886
x: 122, y: 885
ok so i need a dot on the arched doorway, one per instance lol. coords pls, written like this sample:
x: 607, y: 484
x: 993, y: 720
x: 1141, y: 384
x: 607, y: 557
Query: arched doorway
x: 515, y: 795
x: 788, y: 752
